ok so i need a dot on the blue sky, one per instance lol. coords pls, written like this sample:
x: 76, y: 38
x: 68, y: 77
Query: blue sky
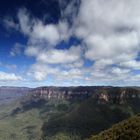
x: 69, y: 42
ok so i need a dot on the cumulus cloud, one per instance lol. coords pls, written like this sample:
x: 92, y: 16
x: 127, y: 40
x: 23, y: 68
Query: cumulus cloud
x: 41, y: 72
x: 115, y: 47
x: 49, y: 33
x: 110, y: 29
x: 110, y: 36
x: 42, y: 39
x: 101, y: 17
x: 132, y: 64
x: 110, y: 33
x: 25, y: 23
x: 32, y: 51
x: 56, y: 56
x: 77, y: 64
x: 69, y: 9
x: 9, y: 76
x: 38, y: 31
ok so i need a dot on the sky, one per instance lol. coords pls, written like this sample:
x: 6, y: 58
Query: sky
x: 69, y: 42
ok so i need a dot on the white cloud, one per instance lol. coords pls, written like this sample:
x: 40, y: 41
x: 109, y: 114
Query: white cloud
x: 32, y: 51
x: 102, y: 63
x: 38, y: 31
x: 110, y: 34
x: 64, y: 31
x: 9, y: 77
x: 45, y: 32
x: 77, y: 64
x: 109, y: 38
x: 71, y: 74
x: 118, y: 71
x: 104, y: 17
x: 41, y: 71
x: 133, y: 64
x: 56, y: 56
x: 17, y: 49
x: 10, y: 24
x: 115, y: 47
x: 109, y: 29
x: 42, y: 39
x: 69, y: 9
x: 25, y: 23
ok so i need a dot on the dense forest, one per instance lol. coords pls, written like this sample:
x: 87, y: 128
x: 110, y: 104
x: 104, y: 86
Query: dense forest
x: 125, y: 130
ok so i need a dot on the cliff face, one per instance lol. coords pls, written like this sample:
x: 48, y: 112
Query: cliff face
x: 118, y: 95
x: 61, y: 92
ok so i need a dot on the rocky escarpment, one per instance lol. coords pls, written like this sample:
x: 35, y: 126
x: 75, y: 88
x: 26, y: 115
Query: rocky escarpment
x: 118, y: 95
x: 101, y: 94
x: 65, y: 92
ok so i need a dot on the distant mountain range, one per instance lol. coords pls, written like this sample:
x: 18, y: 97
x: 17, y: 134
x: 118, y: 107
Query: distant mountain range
x: 8, y: 93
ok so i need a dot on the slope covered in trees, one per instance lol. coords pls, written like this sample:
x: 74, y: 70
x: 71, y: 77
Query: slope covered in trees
x: 87, y: 118
x: 125, y: 130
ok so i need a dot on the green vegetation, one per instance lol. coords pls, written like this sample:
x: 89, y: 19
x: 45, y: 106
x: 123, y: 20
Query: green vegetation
x: 85, y: 119
x: 23, y: 126
x: 24, y: 119
x: 34, y: 118
x: 125, y: 130
x: 62, y: 136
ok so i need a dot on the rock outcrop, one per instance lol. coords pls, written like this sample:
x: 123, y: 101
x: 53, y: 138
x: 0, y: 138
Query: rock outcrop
x: 118, y: 95
x: 101, y: 94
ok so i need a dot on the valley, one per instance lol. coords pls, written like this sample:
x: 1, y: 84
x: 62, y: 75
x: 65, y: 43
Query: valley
x: 66, y: 113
